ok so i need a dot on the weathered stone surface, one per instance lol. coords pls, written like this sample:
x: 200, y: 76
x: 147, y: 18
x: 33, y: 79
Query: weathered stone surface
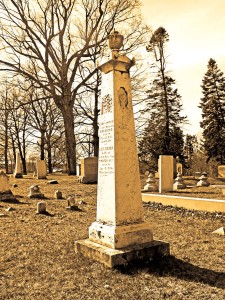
x: 41, y: 208
x: 5, y: 192
x: 221, y: 171
x: 18, y: 171
x: 58, y: 195
x: 41, y: 169
x: 115, y: 257
x: 4, y: 182
x: 88, y: 170
x: 35, y: 192
x: 52, y: 182
x: 166, y: 163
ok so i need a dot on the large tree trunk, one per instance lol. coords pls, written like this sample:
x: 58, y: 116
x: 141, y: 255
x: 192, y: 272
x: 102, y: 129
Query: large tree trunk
x: 42, y: 146
x: 49, y: 150
x: 6, y: 145
x: 68, y: 119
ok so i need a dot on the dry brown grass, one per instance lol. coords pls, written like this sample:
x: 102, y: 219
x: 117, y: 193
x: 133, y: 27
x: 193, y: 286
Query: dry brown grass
x: 38, y: 261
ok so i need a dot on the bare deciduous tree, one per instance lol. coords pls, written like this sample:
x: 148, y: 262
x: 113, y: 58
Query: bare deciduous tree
x: 50, y: 42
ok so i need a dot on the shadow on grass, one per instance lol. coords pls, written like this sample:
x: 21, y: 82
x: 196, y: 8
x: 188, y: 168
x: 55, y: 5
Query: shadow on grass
x: 172, y: 266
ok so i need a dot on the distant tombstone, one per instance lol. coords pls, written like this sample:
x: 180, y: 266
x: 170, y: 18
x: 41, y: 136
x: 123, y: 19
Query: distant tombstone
x: 35, y: 192
x: 18, y: 172
x: 71, y: 204
x: 203, y: 180
x: 151, y: 185
x: 89, y: 170
x: 179, y: 168
x: 179, y: 182
x: 166, y: 164
x: 41, y: 169
x: 41, y: 208
x: 5, y: 192
x: 58, y: 195
x: 221, y: 171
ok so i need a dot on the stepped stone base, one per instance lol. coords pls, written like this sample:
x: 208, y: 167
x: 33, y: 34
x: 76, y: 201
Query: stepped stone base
x: 114, y: 257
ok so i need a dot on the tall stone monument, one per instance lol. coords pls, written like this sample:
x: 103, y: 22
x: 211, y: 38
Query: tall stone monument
x: 119, y: 233
x: 18, y: 172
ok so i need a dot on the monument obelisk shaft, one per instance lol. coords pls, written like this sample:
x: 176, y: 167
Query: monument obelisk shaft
x: 119, y: 233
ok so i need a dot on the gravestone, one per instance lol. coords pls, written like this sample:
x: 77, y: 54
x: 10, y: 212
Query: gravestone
x: 119, y: 233
x: 221, y: 171
x: 41, y: 208
x: 166, y: 163
x: 179, y: 168
x: 5, y: 192
x: 58, y: 195
x: 88, y: 170
x: 18, y: 172
x: 41, y: 169
x: 35, y: 192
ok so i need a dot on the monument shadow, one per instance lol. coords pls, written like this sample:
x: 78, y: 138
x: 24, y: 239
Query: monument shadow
x: 172, y: 266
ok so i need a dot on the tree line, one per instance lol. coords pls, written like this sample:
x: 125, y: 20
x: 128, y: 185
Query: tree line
x: 51, y: 87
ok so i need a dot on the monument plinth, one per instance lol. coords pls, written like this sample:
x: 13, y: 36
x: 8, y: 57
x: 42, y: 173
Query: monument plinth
x: 120, y: 229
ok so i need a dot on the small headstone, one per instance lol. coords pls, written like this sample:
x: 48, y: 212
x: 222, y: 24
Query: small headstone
x: 58, y: 195
x: 41, y: 208
x: 18, y: 172
x: 10, y: 209
x: 71, y: 205
x: 221, y: 171
x: 179, y: 182
x: 151, y: 185
x: 220, y: 231
x: 5, y: 192
x: 203, y: 180
x: 35, y: 192
x: 53, y: 182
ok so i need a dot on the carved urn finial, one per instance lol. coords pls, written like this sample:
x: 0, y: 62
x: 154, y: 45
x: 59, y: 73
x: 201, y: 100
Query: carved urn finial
x: 115, y: 41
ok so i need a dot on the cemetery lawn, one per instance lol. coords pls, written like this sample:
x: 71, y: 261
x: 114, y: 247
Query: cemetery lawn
x: 38, y: 260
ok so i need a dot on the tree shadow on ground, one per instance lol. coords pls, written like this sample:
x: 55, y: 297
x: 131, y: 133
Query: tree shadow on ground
x: 172, y: 266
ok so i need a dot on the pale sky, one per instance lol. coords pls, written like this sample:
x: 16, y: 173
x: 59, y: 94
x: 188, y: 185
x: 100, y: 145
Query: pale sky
x: 196, y: 30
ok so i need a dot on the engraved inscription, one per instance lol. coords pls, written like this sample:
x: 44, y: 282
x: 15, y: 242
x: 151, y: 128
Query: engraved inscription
x: 106, y: 151
x: 123, y: 98
x: 106, y: 104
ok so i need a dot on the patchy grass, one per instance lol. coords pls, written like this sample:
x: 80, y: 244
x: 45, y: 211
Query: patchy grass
x: 38, y: 261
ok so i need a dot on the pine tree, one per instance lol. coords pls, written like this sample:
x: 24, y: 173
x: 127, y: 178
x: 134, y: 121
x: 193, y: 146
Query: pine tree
x: 213, y: 112
x: 163, y: 134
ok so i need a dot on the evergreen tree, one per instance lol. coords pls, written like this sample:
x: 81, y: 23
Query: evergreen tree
x: 213, y: 112
x: 163, y: 134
